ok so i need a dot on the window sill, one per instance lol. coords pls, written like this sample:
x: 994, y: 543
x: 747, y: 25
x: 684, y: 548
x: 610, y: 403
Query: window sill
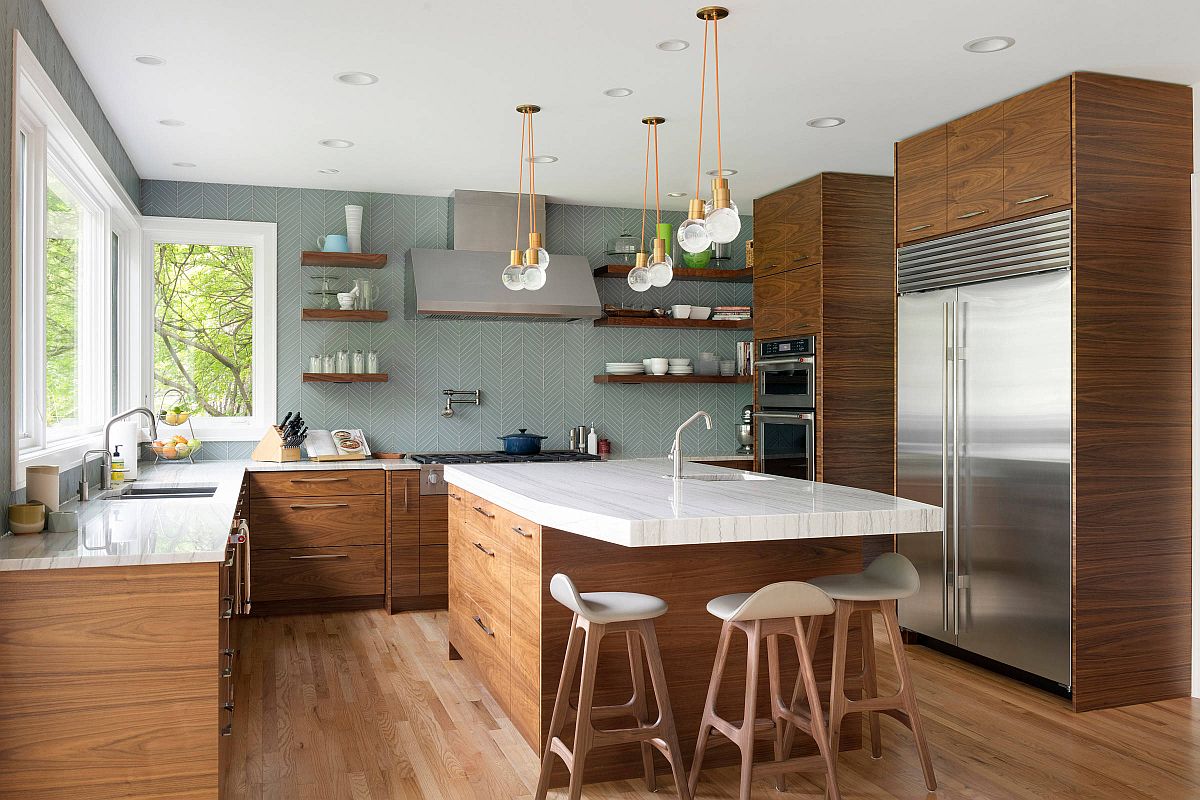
x: 221, y: 430
x: 65, y: 453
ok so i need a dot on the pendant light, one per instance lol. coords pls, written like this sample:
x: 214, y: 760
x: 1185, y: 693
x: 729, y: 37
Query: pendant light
x: 717, y: 219
x: 526, y: 270
x: 657, y: 269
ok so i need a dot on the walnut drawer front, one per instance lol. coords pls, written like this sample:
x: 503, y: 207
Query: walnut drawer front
x: 484, y: 637
x: 317, y: 572
x: 327, y: 521
x: 316, y: 483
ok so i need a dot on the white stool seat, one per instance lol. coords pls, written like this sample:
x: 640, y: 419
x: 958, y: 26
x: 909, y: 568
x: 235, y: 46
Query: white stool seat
x: 891, y: 576
x: 776, y: 601
x: 606, y: 607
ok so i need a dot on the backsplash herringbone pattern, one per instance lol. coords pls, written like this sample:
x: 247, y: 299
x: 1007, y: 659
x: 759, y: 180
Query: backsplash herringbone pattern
x: 533, y: 375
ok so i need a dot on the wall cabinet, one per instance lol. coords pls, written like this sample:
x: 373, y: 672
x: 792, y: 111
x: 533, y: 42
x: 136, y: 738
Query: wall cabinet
x: 1007, y: 160
x: 787, y: 228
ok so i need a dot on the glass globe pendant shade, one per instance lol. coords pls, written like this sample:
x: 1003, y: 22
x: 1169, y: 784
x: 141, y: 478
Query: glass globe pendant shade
x: 661, y: 269
x: 533, y: 278
x: 639, y: 277
x: 693, y: 233
x: 511, y: 276
x: 721, y: 214
x: 536, y: 261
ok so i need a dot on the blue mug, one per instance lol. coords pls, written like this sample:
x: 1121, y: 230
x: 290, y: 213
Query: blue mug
x: 333, y: 243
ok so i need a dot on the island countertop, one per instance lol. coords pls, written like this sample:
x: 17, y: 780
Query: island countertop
x: 635, y: 503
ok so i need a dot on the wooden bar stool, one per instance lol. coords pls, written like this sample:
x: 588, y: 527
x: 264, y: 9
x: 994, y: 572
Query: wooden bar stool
x: 773, y: 611
x: 889, y: 578
x: 598, y: 614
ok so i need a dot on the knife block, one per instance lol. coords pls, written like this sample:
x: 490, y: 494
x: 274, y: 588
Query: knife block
x: 270, y: 448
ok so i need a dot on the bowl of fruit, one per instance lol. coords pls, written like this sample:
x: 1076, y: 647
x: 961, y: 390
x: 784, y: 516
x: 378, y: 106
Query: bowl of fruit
x: 175, y: 415
x: 176, y: 447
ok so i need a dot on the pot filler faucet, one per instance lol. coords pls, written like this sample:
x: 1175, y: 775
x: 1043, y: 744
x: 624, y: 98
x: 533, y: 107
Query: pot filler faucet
x: 677, y: 448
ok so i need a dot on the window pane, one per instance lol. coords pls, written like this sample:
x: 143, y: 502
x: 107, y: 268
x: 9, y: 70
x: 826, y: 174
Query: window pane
x: 204, y: 327
x: 64, y: 219
x: 24, y: 429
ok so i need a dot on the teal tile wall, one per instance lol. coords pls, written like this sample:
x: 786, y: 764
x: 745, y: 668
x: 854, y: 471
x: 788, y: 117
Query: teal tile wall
x: 533, y: 375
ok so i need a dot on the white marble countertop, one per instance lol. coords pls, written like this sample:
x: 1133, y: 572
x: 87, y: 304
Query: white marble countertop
x: 631, y: 503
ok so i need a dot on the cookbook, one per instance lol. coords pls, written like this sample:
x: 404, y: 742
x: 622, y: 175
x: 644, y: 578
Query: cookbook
x: 341, y: 444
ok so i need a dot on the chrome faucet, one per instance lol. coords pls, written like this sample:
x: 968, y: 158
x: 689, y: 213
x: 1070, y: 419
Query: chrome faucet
x: 85, y: 489
x: 106, y: 481
x: 677, y: 448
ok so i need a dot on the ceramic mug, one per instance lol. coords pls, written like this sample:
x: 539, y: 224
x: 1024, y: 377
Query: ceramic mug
x: 333, y: 243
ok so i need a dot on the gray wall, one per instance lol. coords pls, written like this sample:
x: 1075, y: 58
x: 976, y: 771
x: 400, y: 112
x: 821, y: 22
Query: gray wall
x: 35, y: 25
x: 533, y: 375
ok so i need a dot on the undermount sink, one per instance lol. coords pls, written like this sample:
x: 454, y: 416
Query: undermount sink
x: 168, y: 492
x: 722, y: 476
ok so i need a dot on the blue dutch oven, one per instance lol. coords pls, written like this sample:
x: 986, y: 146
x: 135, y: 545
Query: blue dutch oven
x: 522, y: 443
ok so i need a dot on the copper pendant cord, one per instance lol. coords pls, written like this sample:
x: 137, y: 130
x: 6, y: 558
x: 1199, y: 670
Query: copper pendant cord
x: 700, y: 138
x: 645, y: 185
x: 520, y: 183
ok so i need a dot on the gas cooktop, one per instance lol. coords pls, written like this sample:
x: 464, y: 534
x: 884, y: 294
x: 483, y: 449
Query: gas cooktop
x: 500, y: 457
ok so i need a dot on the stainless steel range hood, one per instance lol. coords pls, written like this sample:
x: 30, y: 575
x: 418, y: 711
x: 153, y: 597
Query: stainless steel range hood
x: 465, y: 281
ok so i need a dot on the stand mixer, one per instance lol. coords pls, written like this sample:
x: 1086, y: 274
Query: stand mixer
x: 745, y: 433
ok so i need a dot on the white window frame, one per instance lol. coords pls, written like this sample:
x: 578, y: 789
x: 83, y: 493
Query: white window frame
x: 260, y: 236
x: 54, y: 134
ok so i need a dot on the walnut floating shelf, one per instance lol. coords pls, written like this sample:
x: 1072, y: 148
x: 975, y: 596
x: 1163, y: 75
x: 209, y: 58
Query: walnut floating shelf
x: 665, y: 322
x: 317, y: 258
x: 681, y: 273
x: 337, y: 313
x: 345, y: 377
x: 672, y: 378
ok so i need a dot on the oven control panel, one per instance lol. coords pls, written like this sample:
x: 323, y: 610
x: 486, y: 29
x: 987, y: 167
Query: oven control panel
x: 803, y: 346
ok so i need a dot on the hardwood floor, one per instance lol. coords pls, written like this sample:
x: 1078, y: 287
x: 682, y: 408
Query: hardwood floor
x: 364, y: 706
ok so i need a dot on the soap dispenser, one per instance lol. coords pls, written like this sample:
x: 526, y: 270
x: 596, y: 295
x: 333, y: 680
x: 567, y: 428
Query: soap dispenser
x: 593, y: 441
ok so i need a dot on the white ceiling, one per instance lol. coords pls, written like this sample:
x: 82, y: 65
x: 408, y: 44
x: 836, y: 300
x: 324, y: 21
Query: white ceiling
x: 253, y: 81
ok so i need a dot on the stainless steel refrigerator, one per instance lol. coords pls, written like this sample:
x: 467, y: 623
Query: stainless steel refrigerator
x: 984, y: 430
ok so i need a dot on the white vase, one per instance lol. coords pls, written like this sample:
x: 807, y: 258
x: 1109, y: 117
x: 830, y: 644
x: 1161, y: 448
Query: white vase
x: 354, y: 216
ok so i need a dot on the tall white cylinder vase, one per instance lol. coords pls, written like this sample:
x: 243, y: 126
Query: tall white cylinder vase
x: 354, y: 216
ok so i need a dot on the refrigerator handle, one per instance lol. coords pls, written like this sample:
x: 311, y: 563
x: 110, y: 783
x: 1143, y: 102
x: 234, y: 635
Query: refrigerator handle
x: 947, y: 360
x: 960, y: 312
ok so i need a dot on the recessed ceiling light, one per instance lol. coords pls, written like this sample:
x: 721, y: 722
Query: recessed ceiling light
x: 673, y: 45
x: 989, y: 44
x: 619, y: 91
x: 182, y: 164
x: 172, y: 123
x: 676, y: 194
x: 543, y: 159
x: 150, y: 61
x: 722, y: 173
x: 329, y: 171
x: 356, y: 78
x: 340, y: 144
x: 825, y: 122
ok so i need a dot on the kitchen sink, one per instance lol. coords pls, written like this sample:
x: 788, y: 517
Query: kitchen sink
x: 722, y: 476
x: 168, y: 492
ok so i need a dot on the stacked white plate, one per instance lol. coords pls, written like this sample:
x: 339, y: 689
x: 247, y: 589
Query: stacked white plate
x: 673, y: 370
x: 624, y: 368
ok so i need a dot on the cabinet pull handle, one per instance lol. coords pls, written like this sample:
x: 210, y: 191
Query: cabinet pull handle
x: 319, y: 480
x: 483, y: 549
x: 227, y: 730
x: 517, y: 528
x: 299, y: 506
x: 227, y: 613
x: 800, y: 257
x: 319, y: 556
x: 1033, y: 199
x: 970, y: 214
x: 453, y: 496
x: 486, y: 514
x: 916, y: 228
x: 485, y: 628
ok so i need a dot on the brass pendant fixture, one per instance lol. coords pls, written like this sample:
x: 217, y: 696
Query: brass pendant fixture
x: 716, y: 220
x: 526, y: 270
x: 655, y: 269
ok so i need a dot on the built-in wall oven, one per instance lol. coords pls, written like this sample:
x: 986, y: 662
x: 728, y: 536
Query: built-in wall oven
x: 785, y: 421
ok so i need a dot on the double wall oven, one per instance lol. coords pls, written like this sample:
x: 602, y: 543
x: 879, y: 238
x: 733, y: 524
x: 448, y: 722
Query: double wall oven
x: 786, y: 420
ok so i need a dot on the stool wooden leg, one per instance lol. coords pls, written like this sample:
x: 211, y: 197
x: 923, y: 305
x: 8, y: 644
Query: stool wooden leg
x: 870, y: 682
x: 710, y: 703
x: 640, y: 711
x: 816, y: 716
x: 907, y: 693
x: 583, y: 715
x: 812, y: 636
x: 781, y: 728
x: 670, y: 735
x: 562, y: 704
x: 837, y: 687
x: 745, y: 734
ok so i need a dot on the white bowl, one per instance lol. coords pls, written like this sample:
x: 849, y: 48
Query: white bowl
x: 679, y: 362
x: 681, y: 311
x: 658, y: 366
x: 699, y: 312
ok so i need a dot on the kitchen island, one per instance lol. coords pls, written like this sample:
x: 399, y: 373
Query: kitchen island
x: 628, y: 526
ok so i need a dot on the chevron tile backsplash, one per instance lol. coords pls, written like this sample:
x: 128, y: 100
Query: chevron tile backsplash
x: 533, y: 375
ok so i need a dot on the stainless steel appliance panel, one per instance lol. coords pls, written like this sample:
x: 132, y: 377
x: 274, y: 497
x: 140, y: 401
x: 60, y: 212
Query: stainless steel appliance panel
x: 786, y: 370
x: 786, y: 443
x: 1013, y: 406
x: 923, y: 441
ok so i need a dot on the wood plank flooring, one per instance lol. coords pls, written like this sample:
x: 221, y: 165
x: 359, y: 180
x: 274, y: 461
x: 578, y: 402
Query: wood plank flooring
x: 364, y: 706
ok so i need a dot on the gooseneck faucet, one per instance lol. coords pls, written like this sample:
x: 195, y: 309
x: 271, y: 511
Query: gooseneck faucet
x: 677, y: 448
x: 106, y: 482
